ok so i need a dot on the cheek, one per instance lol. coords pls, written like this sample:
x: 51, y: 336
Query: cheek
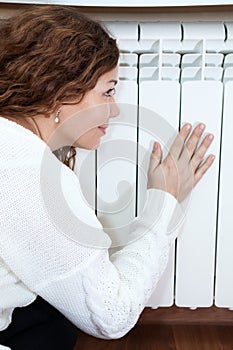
x: 90, y: 118
x: 99, y: 113
x: 97, y: 109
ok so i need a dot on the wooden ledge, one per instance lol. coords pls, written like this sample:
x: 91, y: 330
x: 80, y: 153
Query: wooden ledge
x: 181, y: 315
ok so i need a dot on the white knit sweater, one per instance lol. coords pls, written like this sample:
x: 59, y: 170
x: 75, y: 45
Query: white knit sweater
x: 42, y: 253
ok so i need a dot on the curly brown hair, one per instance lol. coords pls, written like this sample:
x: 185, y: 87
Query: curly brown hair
x: 50, y: 55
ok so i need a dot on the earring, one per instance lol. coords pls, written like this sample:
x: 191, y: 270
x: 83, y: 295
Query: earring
x: 57, y: 119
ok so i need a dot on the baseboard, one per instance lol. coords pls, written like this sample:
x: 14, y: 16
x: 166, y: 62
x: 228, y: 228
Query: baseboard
x: 180, y: 315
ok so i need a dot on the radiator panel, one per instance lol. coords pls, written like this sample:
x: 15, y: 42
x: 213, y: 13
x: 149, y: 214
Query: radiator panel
x: 224, y: 256
x: 196, y: 245
x: 162, y: 98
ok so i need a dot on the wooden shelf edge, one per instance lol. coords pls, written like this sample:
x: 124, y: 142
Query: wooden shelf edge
x: 181, y: 315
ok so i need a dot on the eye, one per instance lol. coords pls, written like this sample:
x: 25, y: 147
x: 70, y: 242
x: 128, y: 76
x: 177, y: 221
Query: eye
x: 110, y: 92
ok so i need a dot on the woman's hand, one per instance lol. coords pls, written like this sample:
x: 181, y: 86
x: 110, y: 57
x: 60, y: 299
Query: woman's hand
x: 181, y: 170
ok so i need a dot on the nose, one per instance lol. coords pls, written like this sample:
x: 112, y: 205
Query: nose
x: 114, y: 109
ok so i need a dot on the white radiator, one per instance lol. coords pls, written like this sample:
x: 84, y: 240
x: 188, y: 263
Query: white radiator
x: 171, y: 73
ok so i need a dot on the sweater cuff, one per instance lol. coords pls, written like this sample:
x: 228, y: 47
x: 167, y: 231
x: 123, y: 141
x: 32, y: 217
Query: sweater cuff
x: 157, y: 212
x: 159, y: 206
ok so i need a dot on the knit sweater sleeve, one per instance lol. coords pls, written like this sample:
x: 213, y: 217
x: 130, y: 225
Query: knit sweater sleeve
x: 102, y: 294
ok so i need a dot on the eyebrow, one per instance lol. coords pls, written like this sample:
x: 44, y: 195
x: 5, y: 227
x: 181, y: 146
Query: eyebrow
x: 113, y: 81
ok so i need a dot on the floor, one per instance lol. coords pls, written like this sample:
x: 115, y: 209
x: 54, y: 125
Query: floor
x: 164, y: 337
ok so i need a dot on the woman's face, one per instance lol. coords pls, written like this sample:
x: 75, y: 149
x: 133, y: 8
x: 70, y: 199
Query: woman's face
x: 94, y: 111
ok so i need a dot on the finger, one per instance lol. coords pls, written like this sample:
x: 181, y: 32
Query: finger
x: 201, y: 151
x: 156, y: 156
x: 192, y: 142
x: 178, y: 143
x: 203, y: 168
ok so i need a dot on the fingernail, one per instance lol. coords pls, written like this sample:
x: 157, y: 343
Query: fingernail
x: 201, y: 126
x: 212, y: 158
x: 210, y: 137
x: 155, y: 146
x: 187, y: 126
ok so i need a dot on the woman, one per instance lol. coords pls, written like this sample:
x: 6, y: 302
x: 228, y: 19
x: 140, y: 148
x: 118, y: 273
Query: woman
x: 56, y: 63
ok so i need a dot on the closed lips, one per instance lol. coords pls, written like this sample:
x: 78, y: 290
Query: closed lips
x: 102, y: 129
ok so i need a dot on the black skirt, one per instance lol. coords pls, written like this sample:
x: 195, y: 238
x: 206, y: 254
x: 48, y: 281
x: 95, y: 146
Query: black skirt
x: 39, y: 326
